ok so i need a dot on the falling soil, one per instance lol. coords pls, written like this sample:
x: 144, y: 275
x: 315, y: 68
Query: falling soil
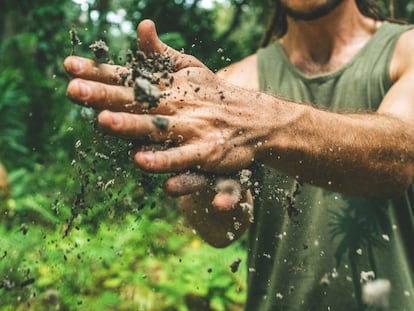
x: 290, y: 204
x: 235, y: 265
x: 98, y: 182
x: 74, y: 40
x: 100, y: 49
x: 108, y: 183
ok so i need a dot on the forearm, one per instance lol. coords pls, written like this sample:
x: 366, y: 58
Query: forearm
x: 368, y: 154
x: 218, y: 228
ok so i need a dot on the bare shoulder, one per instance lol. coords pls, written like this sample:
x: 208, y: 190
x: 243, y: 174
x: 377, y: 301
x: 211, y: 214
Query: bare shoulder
x: 242, y: 73
x: 399, y: 99
x: 403, y: 57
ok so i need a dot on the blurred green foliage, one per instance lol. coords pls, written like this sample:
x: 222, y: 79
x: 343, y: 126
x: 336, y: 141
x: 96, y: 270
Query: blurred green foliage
x: 84, y: 229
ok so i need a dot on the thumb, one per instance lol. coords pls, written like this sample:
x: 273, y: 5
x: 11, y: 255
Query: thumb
x: 228, y: 196
x: 186, y: 183
x: 224, y: 201
x: 150, y: 44
x: 148, y: 40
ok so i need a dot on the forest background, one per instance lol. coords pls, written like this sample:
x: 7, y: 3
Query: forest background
x: 82, y: 228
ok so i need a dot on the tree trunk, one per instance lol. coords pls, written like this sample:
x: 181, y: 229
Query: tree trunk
x: 4, y: 185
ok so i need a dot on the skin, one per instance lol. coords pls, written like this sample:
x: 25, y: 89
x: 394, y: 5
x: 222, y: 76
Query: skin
x: 374, y: 152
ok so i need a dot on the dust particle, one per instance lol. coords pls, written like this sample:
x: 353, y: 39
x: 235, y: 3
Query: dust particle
x: 235, y: 265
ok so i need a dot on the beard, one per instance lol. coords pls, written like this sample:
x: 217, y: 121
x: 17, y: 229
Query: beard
x: 314, y: 13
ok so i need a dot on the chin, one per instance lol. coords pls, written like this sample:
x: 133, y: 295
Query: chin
x: 309, y: 9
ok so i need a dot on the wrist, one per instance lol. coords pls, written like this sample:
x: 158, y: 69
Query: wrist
x: 281, y: 131
x: 269, y: 128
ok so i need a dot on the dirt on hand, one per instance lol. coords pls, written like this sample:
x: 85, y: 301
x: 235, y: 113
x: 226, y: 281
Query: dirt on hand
x: 145, y: 74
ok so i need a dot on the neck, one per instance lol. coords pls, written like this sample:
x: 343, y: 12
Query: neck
x: 331, y: 39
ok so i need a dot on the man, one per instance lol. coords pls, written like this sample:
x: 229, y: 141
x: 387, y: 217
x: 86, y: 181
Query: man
x: 334, y: 217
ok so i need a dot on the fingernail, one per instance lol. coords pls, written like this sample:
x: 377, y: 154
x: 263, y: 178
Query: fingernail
x: 84, y: 90
x: 146, y: 159
x: 116, y: 120
x: 75, y: 66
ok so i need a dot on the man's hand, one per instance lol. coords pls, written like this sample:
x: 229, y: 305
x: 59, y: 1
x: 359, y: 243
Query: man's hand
x: 209, y: 122
x: 209, y: 127
x: 201, y: 116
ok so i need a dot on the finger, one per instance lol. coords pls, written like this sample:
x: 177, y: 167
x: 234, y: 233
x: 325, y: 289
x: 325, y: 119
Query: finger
x: 224, y: 201
x: 103, y: 96
x: 99, y: 95
x: 174, y: 159
x: 88, y: 69
x: 229, y: 194
x: 186, y: 183
x: 136, y: 126
x: 150, y: 44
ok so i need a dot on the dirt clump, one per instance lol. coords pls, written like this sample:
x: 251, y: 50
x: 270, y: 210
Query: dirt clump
x: 74, y: 40
x: 235, y: 265
x: 146, y: 73
x: 99, y: 49
x: 145, y: 92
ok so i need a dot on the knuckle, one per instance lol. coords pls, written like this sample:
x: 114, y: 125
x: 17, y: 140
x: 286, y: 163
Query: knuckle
x: 212, y: 158
x: 103, y: 94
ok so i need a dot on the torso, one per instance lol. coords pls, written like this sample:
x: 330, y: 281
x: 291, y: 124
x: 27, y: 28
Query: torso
x: 314, y: 260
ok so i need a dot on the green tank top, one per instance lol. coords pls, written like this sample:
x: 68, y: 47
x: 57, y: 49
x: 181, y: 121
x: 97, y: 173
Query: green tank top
x: 330, y: 251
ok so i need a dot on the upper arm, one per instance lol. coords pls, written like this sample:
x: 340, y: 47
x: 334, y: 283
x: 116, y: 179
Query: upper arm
x: 399, y: 100
x: 243, y: 73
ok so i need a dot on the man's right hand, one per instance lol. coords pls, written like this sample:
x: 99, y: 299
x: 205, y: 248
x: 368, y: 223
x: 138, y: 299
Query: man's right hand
x: 104, y: 92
